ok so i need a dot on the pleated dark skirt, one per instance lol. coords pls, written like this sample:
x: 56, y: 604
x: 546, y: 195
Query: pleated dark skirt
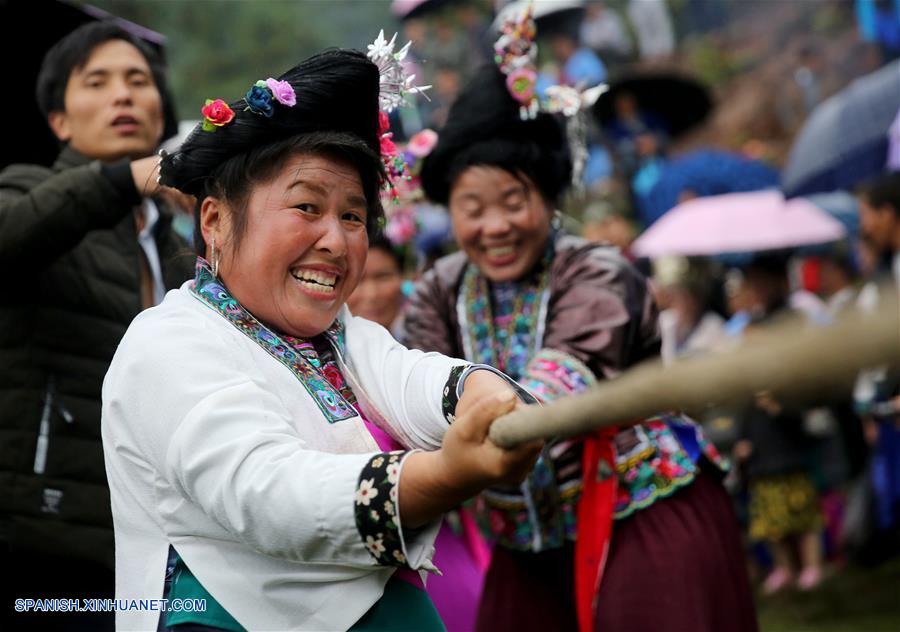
x: 675, y: 566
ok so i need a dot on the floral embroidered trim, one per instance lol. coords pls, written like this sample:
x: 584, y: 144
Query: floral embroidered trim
x: 325, y: 361
x: 453, y: 390
x: 542, y: 519
x: 376, y: 508
x: 648, y: 497
x: 552, y: 374
x: 521, y: 393
x: 450, y: 398
x: 505, y: 335
x: 633, y: 446
x: 213, y: 293
x: 666, y: 469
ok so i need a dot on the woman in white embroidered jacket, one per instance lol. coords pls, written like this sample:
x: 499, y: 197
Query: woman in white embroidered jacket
x: 266, y: 451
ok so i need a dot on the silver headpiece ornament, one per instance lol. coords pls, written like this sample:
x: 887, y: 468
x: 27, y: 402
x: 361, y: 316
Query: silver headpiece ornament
x: 396, y: 83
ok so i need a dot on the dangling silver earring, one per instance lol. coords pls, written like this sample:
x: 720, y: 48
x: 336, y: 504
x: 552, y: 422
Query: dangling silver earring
x: 215, y: 259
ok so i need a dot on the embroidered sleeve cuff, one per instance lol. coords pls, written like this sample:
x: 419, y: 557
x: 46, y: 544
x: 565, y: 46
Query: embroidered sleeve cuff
x: 521, y: 392
x: 378, y: 515
x: 552, y: 374
x: 450, y: 397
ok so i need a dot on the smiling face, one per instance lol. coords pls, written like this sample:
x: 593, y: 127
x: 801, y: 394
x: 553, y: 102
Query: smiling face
x: 502, y: 223
x: 379, y: 295
x: 304, y: 246
x: 113, y: 108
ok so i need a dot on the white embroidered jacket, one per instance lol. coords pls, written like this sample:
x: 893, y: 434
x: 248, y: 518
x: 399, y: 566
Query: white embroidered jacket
x: 215, y: 447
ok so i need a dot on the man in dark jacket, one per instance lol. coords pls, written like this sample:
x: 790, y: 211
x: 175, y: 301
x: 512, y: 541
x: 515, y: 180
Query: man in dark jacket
x: 84, y: 247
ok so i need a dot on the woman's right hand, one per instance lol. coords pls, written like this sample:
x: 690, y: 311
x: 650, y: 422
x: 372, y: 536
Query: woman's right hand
x: 435, y: 482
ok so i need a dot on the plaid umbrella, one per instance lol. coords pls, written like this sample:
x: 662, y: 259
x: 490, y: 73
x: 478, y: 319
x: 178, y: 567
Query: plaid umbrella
x: 845, y: 139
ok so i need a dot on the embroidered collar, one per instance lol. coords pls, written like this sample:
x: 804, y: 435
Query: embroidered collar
x: 211, y: 291
x: 502, y: 323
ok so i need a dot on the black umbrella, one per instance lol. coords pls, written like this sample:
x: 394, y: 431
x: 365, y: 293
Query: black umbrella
x: 45, y: 22
x: 679, y: 101
x: 551, y: 17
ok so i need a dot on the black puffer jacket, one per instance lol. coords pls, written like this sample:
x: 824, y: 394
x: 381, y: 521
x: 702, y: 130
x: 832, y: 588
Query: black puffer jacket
x: 70, y: 283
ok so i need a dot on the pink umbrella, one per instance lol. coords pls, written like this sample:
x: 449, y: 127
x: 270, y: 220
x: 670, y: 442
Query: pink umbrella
x: 401, y: 7
x: 738, y: 222
x: 405, y: 9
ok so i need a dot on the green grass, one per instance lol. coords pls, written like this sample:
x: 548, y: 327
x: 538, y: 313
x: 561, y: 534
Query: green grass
x: 853, y: 600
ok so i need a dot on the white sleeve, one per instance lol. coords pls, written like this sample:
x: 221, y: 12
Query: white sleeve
x: 227, y: 444
x: 405, y: 385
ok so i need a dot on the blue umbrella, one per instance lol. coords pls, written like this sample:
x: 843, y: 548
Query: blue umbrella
x: 842, y: 206
x: 845, y: 139
x: 704, y: 172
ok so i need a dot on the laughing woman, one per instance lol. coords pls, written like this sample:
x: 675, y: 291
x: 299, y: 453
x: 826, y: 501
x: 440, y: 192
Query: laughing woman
x: 558, y: 314
x: 246, y: 419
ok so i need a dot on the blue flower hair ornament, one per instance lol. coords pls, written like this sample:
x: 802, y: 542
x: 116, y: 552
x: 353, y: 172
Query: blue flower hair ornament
x: 262, y: 95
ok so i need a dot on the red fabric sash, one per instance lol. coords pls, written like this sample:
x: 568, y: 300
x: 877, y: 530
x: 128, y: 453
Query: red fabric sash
x: 595, y: 522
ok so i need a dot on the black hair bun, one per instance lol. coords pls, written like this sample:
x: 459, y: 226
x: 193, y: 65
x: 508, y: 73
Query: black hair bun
x: 484, y: 127
x: 337, y: 90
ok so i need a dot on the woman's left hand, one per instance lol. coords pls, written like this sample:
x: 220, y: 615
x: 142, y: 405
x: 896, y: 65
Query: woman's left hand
x: 467, y: 462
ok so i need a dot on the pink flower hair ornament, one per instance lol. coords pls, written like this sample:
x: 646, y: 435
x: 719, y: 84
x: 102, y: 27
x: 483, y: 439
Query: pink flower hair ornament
x: 282, y: 91
x: 521, y: 84
x: 421, y: 143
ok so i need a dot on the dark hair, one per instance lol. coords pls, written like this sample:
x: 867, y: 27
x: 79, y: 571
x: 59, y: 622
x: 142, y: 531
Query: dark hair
x: 772, y: 265
x: 883, y: 191
x: 335, y: 115
x: 234, y: 179
x: 72, y: 52
x: 843, y: 258
x: 484, y: 128
x: 380, y: 242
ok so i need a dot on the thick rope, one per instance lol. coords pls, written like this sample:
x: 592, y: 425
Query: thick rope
x: 797, y: 360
